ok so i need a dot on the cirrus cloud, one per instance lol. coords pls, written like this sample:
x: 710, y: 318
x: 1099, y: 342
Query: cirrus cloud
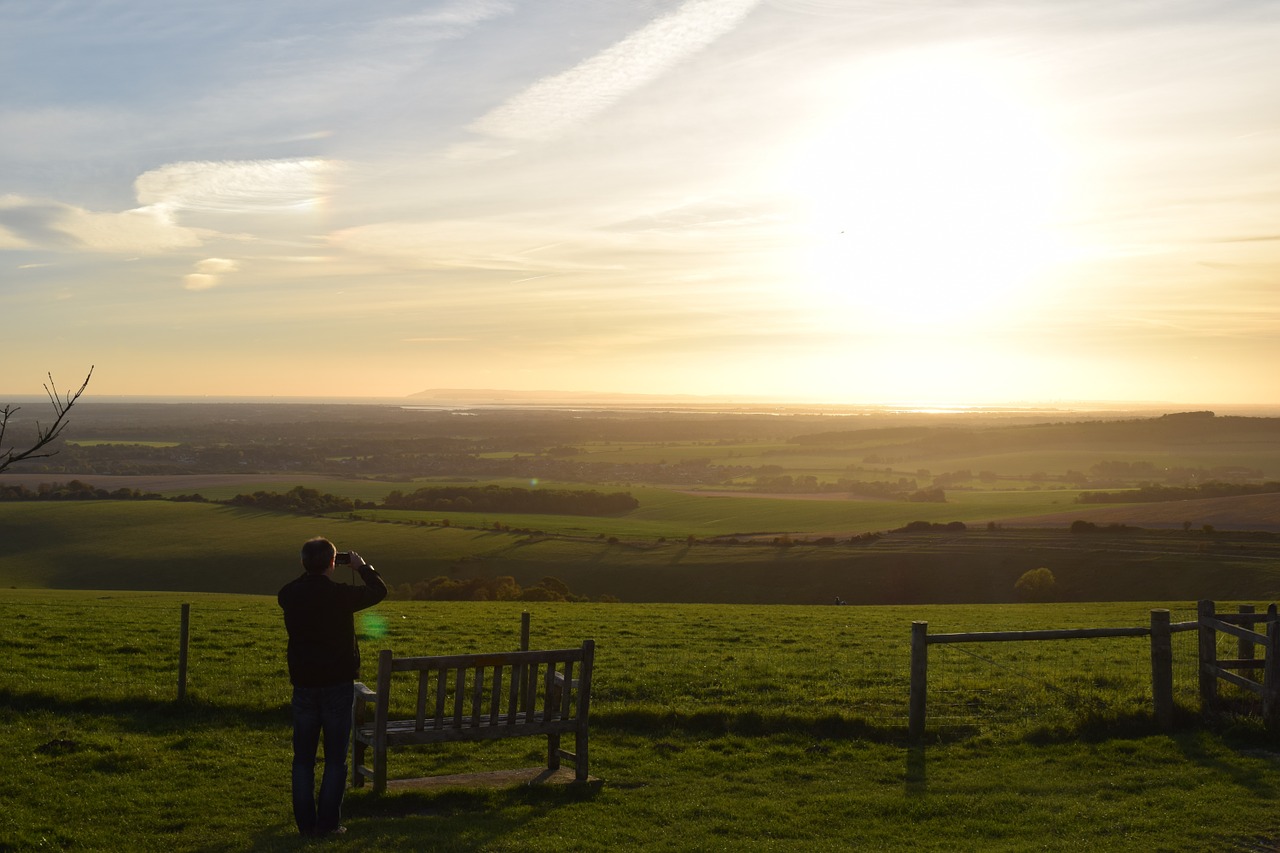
x: 244, y: 186
x: 555, y: 103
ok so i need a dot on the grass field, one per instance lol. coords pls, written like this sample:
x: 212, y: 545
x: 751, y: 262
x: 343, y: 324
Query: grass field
x: 714, y: 728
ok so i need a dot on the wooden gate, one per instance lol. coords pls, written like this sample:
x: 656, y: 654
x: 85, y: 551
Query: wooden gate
x: 1240, y: 625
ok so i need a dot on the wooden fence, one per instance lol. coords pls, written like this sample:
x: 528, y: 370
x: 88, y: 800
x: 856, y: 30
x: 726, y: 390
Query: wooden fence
x: 1160, y: 630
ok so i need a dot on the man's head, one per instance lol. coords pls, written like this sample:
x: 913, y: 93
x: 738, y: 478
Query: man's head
x: 317, y: 555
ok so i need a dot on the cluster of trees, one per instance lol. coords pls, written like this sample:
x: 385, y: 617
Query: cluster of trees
x: 883, y: 489
x: 926, y: 526
x: 904, y: 489
x: 513, y: 500
x: 74, y: 490
x: 300, y: 499
x: 1080, y: 526
x: 503, y: 588
x: 1151, y: 492
x: 934, y: 495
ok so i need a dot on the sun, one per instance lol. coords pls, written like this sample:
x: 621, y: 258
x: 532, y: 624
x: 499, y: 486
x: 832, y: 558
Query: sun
x: 930, y: 191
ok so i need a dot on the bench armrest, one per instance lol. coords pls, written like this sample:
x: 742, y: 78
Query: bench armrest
x: 364, y: 694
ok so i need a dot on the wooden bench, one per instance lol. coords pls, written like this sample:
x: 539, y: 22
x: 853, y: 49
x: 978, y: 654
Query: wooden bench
x: 477, y: 697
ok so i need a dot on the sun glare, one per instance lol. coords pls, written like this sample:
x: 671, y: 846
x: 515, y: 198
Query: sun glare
x: 930, y: 191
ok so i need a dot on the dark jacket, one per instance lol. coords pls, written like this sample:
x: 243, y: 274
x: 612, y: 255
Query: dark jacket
x: 319, y: 616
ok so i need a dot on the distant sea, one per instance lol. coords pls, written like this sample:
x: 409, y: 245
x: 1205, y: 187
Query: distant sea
x: 447, y: 400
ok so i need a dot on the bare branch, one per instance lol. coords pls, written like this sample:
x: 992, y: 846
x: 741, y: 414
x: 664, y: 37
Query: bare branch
x: 44, y: 435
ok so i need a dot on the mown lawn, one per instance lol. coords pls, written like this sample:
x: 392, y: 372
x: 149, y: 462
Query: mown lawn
x: 715, y: 727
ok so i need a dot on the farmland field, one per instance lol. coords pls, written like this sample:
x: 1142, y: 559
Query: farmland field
x: 714, y: 727
x: 158, y: 545
x: 714, y: 494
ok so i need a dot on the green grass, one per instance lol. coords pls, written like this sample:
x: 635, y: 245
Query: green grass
x: 714, y: 728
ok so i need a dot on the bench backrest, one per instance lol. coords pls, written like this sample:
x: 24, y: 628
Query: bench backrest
x: 510, y: 689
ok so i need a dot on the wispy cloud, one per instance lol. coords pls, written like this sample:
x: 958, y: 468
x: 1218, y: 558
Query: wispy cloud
x: 555, y: 103
x: 251, y: 186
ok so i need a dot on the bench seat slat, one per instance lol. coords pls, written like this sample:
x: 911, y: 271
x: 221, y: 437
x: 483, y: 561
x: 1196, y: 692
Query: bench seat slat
x: 406, y: 731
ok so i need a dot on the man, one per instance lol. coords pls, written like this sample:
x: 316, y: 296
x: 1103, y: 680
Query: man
x: 324, y: 663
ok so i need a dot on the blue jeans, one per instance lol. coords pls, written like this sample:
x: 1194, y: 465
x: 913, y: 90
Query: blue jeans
x: 319, y: 710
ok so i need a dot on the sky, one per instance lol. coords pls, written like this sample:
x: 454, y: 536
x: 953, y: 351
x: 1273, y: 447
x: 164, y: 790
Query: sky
x: 949, y: 202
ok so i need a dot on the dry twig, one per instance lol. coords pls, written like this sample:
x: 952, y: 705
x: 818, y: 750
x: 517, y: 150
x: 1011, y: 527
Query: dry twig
x: 44, y: 435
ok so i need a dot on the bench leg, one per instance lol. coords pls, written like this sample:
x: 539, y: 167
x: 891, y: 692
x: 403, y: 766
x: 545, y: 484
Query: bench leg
x: 580, y: 755
x: 553, y: 752
x: 357, y: 759
x: 379, y: 768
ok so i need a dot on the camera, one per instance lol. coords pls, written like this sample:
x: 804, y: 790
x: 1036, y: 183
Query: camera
x: 342, y: 558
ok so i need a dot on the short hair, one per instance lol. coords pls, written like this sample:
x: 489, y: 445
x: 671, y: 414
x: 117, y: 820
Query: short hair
x: 318, y: 554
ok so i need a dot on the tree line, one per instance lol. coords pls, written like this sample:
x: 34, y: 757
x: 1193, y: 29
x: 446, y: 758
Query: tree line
x: 507, y: 499
x: 1149, y: 492
x: 75, y: 490
x: 301, y: 499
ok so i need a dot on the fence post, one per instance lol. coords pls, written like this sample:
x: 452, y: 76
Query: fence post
x: 518, y: 672
x: 919, y: 680
x: 1162, y: 669
x: 1245, y: 648
x: 1271, y: 672
x: 1208, y: 659
x: 183, y: 635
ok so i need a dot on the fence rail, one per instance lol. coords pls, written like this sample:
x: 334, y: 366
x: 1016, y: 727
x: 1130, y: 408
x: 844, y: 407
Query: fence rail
x: 1161, y: 629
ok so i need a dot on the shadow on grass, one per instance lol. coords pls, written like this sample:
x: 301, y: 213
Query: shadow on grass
x: 917, y: 776
x: 155, y: 715
x: 165, y: 714
x: 744, y: 723
x: 445, y: 820
x: 1097, y: 728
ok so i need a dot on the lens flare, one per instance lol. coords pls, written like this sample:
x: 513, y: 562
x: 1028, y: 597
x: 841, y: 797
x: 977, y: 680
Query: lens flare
x: 373, y: 626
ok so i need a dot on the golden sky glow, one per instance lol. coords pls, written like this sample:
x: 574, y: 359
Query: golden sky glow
x: 871, y: 202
